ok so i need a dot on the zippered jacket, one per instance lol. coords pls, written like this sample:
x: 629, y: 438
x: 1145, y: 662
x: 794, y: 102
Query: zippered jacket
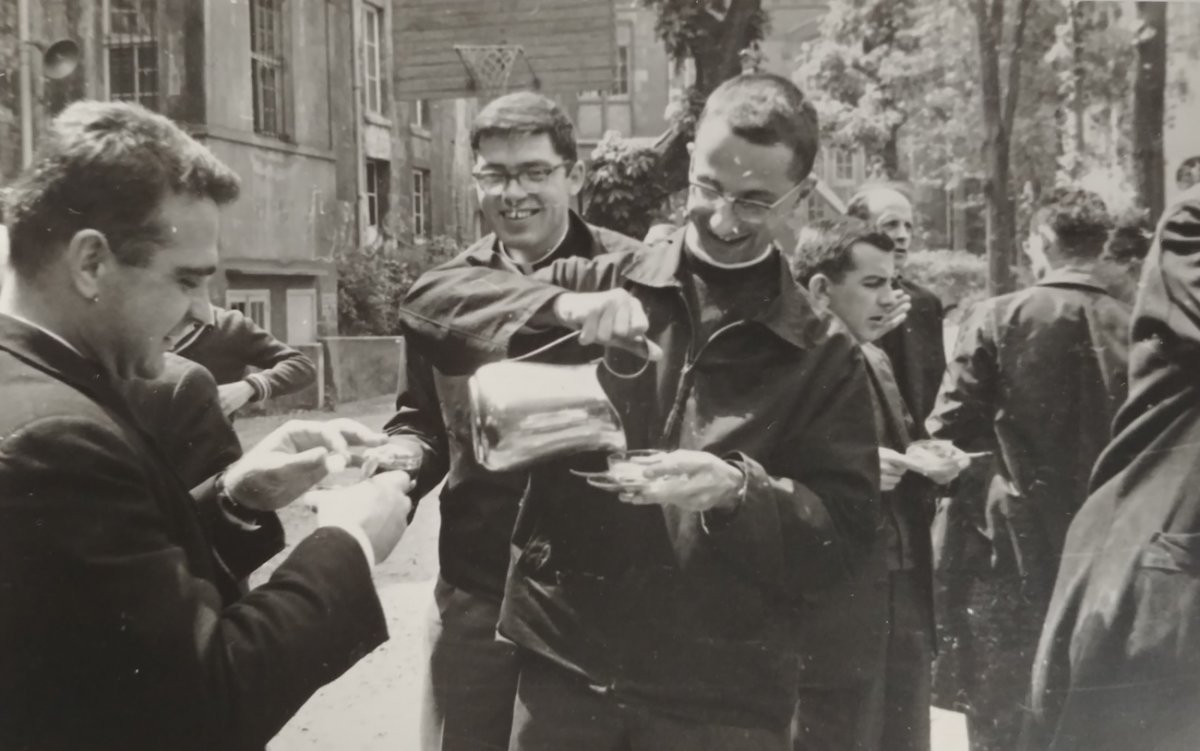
x: 715, y: 620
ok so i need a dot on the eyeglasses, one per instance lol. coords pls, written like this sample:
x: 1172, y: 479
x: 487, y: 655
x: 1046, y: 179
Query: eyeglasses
x: 529, y: 178
x: 747, y: 212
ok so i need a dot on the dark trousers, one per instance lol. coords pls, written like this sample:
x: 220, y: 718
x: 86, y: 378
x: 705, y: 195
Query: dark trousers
x: 891, y: 712
x: 899, y: 700
x: 472, y: 677
x: 557, y: 711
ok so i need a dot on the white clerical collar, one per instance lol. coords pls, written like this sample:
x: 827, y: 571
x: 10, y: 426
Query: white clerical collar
x: 708, y: 260
x: 525, y: 265
x: 45, y: 331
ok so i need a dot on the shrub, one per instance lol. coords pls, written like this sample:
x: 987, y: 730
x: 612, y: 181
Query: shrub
x: 957, y: 277
x: 623, y: 193
x: 371, y: 282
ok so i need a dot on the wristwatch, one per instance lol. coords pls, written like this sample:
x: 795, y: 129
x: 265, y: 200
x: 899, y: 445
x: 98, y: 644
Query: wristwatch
x: 235, y: 512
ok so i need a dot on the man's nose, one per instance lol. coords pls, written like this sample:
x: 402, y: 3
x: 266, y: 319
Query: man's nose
x: 512, y: 190
x: 722, y: 222
x: 887, y: 296
x: 201, y: 309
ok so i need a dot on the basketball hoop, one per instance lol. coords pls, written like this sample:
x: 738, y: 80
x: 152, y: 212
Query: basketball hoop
x: 490, y: 66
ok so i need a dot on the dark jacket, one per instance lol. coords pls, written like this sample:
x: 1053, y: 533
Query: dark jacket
x: 119, y: 629
x: 706, y: 619
x: 917, y: 350
x: 1120, y: 652
x: 478, y: 506
x: 180, y: 410
x: 1036, y: 377
x: 907, y: 508
x: 233, y: 343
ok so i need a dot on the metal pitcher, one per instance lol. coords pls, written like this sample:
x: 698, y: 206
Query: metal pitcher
x: 525, y: 412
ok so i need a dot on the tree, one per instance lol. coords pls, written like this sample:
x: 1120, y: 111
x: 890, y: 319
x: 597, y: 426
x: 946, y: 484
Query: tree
x: 868, y: 72
x: 999, y: 107
x: 1149, y: 104
x: 711, y: 33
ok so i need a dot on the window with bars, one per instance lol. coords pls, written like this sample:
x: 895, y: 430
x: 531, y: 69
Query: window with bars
x: 372, y: 58
x: 378, y: 181
x: 422, y: 203
x: 268, y: 66
x: 843, y: 164
x: 131, y: 51
x: 620, y: 85
x: 255, y: 304
x: 624, y: 62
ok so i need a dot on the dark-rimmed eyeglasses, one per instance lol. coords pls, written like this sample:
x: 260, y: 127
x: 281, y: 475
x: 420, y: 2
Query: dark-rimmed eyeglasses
x: 744, y: 210
x: 529, y: 178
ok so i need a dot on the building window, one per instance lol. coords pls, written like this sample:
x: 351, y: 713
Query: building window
x: 378, y: 181
x: 624, y: 62
x: 372, y: 53
x: 624, y: 46
x: 843, y: 165
x: 422, y: 116
x: 268, y: 66
x: 131, y: 51
x: 255, y: 304
x: 422, y: 203
x: 817, y: 208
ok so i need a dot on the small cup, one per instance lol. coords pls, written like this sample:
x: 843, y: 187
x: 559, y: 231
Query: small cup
x: 390, y: 457
x: 630, y: 466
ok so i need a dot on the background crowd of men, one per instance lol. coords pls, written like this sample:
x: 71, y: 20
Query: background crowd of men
x: 786, y: 577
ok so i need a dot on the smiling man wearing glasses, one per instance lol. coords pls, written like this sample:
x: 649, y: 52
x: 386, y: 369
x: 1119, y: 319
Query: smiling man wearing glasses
x: 526, y: 174
x: 688, y: 612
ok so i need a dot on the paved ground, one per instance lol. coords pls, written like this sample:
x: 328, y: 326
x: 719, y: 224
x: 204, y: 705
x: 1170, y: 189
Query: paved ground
x: 374, y: 706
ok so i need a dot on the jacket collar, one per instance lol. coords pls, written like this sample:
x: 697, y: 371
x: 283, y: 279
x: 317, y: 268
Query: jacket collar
x: 44, y: 352
x: 579, y: 241
x: 1074, y: 277
x: 790, y: 316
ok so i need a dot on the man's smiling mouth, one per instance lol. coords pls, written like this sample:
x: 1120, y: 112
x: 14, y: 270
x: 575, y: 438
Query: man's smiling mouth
x: 518, y: 214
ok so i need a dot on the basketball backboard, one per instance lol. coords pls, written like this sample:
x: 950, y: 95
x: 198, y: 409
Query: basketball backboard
x: 568, y: 45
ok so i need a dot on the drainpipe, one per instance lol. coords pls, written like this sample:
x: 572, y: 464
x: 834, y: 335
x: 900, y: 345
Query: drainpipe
x: 25, y: 75
x: 360, y: 183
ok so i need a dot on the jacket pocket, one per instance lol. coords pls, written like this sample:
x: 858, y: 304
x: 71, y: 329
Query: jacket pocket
x: 1172, y: 551
x: 1164, y: 634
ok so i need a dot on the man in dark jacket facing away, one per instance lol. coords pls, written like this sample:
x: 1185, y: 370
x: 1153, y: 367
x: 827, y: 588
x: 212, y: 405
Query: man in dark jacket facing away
x: 1118, y: 660
x: 527, y: 172
x: 684, y: 613
x: 1036, y: 378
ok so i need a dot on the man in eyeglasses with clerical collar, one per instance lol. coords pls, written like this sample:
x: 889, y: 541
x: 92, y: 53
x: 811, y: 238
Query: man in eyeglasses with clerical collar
x: 527, y: 174
x: 690, y: 611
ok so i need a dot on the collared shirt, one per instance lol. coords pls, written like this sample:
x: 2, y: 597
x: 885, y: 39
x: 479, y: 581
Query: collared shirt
x: 527, y: 266
x: 45, y: 331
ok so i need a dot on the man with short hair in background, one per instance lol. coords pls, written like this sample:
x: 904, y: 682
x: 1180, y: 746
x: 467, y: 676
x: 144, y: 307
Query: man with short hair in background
x: 1036, y: 379
x: 848, y: 268
x: 527, y: 174
x: 916, y: 347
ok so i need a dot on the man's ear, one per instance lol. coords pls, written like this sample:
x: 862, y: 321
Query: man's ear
x: 577, y: 177
x: 88, y: 258
x: 818, y: 290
